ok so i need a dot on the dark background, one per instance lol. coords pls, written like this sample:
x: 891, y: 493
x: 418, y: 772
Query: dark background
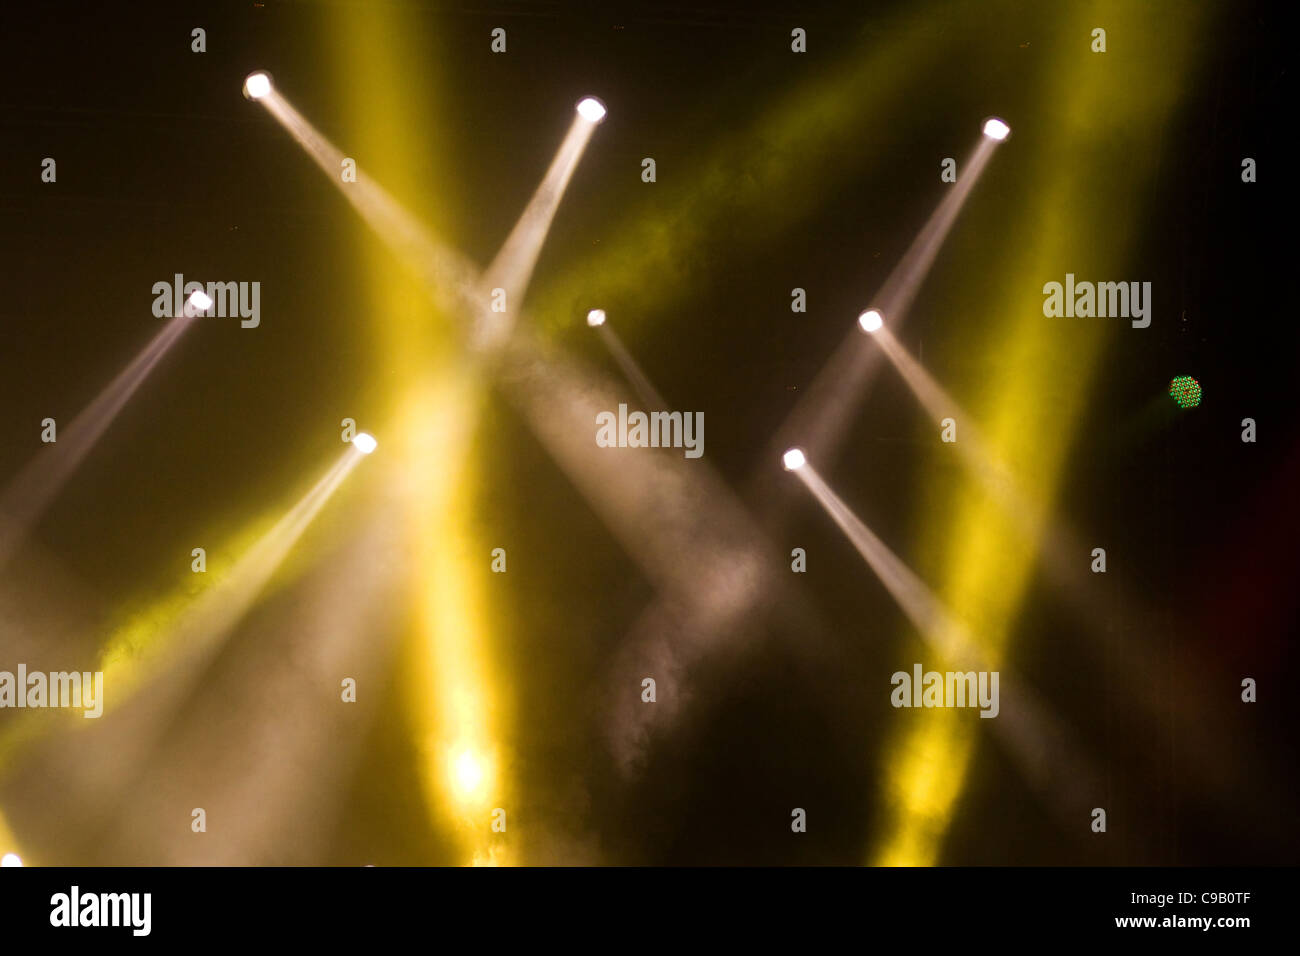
x: 163, y: 167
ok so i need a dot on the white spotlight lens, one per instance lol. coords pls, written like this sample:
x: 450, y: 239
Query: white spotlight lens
x: 365, y: 443
x: 199, y: 301
x: 870, y: 321
x: 793, y: 459
x: 10, y: 859
x: 996, y: 129
x: 591, y: 109
x: 596, y: 317
x: 257, y: 85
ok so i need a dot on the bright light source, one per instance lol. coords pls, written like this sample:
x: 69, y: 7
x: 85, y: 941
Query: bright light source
x: 364, y: 442
x: 596, y: 317
x: 871, y: 321
x: 996, y: 129
x: 10, y: 859
x: 199, y: 301
x: 793, y: 459
x: 257, y: 85
x: 591, y: 109
x: 467, y: 772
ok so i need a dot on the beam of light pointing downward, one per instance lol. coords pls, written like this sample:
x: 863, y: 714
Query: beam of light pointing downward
x: 1059, y: 546
x: 249, y: 764
x: 151, y: 665
x: 560, y: 400
x: 512, y: 269
x: 915, y: 599
x: 460, y: 759
x: 220, y: 608
x: 1041, y: 744
x: 30, y: 493
x: 975, y: 453
x: 449, y: 277
x: 651, y: 400
x: 180, y: 633
x: 822, y: 416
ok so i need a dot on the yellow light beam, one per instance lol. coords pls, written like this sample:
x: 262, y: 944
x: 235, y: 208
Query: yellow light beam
x: 1128, y: 95
x: 168, y: 648
x: 730, y: 190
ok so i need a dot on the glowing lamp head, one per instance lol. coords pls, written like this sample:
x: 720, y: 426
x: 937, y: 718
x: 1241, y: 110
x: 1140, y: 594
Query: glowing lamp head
x: 1185, y: 391
x: 994, y: 128
x: 591, y: 109
x: 871, y: 321
x: 10, y: 859
x: 199, y: 301
x: 793, y: 459
x: 596, y: 317
x: 257, y: 85
x: 365, y: 443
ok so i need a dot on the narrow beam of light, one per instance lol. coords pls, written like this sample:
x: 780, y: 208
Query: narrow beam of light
x: 976, y: 455
x: 911, y: 594
x: 725, y: 573
x: 30, y: 493
x: 1042, y: 746
x: 170, y: 656
x: 223, y: 605
x: 650, y: 398
x: 449, y: 277
x: 464, y: 722
x: 677, y: 520
x: 822, y: 416
x: 1062, y: 210
x: 1061, y: 549
x: 512, y: 269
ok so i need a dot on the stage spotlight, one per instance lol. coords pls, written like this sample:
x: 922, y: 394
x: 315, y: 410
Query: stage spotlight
x: 793, y: 459
x: 1186, y: 391
x: 596, y: 317
x: 870, y: 321
x: 198, y: 302
x: 994, y: 128
x: 365, y: 443
x: 10, y: 859
x: 591, y: 109
x: 257, y: 85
